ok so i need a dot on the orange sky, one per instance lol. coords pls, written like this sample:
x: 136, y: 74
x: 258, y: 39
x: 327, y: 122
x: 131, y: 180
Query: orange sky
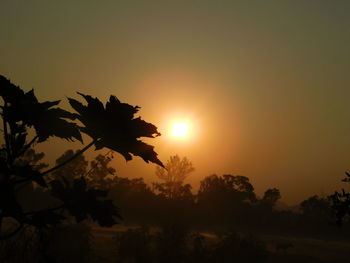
x: 264, y: 83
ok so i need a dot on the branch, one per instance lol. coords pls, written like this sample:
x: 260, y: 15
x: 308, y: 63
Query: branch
x: 70, y: 159
x: 25, y: 148
x: 95, y: 166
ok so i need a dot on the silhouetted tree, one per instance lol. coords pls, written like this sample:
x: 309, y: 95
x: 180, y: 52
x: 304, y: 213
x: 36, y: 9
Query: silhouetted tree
x: 238, y: 186
x: 112, y: 126
x: 271, y: 196
x: 225, y: 199
x: 340, y: 203
x: 31, y: 157
x: 137, y: 203
x: 315, y: 207
x: 173, y: 174
x: 101, y: 175
x: 74, y: 169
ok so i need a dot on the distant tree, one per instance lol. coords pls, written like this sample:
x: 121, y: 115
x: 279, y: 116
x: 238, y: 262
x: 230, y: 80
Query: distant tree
x: 101, y: 175
x: 233, y: 187
x: 74, y: 169
x: 97, y: 172
x: 112, y: 126
x: 173, y: 175
x: 176, y: 169
x: 315, y: 207
x: 271, y: 196
x: 225, y: 199
x: 316, y: 216
x: 32, y: 158
x: 135, y: 199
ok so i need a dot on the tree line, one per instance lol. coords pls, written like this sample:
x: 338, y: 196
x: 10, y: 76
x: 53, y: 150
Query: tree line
x: 226, y: 202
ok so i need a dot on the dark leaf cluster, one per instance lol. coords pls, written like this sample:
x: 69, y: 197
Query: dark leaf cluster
x: 112, y: 126
x: 23, y: 109
x: 83, y: 202
x: 115, y: 126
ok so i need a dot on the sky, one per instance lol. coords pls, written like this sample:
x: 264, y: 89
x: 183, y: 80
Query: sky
x: 264, y: 85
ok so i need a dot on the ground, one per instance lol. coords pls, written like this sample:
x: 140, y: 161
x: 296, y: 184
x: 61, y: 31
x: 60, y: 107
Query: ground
x: 304, y: 249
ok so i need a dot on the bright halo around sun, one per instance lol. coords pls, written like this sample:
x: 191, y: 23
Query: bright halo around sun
x: 180, y: 129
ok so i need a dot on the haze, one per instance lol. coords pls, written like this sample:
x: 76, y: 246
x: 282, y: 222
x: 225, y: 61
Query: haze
x: 264, y: 83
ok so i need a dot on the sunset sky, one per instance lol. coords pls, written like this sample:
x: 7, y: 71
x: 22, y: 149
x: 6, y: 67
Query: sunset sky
x: 263, y: 85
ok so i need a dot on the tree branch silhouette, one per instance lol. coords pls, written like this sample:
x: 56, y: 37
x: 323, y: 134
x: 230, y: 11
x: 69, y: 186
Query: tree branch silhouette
x: 27, y: 146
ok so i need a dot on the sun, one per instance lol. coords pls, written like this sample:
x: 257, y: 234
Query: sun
x: 180, y: 129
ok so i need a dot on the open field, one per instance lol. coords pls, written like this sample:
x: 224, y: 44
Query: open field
x: 308, y: 250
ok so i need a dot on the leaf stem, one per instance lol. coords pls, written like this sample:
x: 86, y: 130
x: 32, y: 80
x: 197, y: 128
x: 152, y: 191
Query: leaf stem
x: 26, y: 147
x: 70, y: 159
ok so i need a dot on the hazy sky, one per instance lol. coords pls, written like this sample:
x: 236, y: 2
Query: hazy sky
x: 266, y: 84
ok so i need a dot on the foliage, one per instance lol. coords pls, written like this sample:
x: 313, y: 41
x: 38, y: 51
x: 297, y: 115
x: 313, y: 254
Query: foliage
x: 176, y: 169
x: 315, y: 207
x: 113, y: 126
x: 237, y: 187
x: 173, y: 175
x: 271, y: 196
x: 101, y: 175
x: 73, y: 169
x: 98, y: 173
x: 225, y: 199
x: 135, y: 199
x: 340, y: 202
x: 21, y: 110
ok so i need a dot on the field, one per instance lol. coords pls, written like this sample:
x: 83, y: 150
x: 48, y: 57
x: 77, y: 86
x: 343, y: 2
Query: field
x: 308, y: 250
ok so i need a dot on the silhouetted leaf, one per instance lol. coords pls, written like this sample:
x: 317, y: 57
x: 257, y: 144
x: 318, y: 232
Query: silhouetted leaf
x: 18, y: 142
x: 28, y: 172
x: 8, y: 91
x: 115, y: 127
x: 25, y: 108
x: 82, y: 202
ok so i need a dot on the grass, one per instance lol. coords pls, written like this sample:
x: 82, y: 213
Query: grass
x: 308, y: 250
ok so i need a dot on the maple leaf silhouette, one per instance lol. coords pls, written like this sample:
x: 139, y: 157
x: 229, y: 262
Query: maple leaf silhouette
x: 115, y: 126
x: 25, y: 107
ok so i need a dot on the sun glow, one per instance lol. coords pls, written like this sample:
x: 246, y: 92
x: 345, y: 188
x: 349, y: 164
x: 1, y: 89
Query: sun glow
x: 180, y: 129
